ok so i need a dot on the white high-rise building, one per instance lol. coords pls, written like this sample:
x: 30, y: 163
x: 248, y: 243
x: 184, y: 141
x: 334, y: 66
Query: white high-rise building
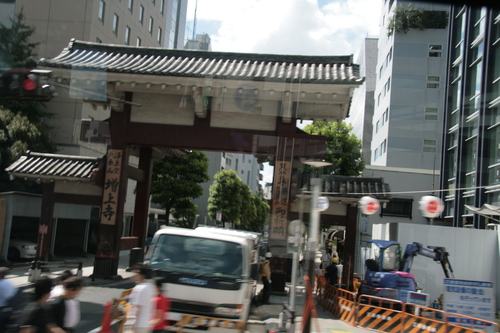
x: 408, y: 103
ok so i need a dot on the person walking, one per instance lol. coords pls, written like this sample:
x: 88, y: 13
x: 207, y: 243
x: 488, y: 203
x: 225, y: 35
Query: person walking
x: 331, y: 272
x: 7, y: 292
x: 161, y: 304
x: 65, y: 307
x: 141, y: 311
x: 266, y: 278
x: 326, y: 258
x: 59, y: 288
x: 37, y: 316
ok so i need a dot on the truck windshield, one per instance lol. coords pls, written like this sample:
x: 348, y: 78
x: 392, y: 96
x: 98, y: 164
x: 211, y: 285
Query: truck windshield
x: 198, y: 256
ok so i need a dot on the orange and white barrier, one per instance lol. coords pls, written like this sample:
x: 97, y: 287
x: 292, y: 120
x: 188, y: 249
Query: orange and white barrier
x: 392, y: 316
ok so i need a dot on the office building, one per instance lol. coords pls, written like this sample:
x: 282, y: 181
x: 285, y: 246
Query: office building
x: 471, y: 158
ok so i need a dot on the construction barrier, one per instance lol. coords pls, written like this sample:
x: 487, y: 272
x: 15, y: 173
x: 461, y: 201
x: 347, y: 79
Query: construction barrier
x: 380, y: 314
x: 387, y: 315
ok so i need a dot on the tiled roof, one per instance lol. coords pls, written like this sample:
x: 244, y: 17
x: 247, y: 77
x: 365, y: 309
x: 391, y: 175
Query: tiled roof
x: 201, y: 64
x: 54, y: 167
x: 353, y: 187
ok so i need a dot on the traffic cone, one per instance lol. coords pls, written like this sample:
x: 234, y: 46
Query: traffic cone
x: 106, y: 319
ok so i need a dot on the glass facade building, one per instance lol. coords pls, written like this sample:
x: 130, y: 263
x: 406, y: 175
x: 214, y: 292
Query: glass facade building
x: 471, y: 156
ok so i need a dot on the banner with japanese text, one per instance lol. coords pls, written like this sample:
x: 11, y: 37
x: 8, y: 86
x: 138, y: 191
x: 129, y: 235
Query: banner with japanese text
x: 281, y: 192
x: 111, y: 186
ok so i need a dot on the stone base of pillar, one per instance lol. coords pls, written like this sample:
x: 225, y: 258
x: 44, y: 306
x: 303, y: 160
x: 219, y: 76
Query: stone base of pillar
x: 105, y: 268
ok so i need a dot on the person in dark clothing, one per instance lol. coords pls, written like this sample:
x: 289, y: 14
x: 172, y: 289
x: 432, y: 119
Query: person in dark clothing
x: 331, y: 273
x: 266, y: 278
x: 64, y: 309
x: 37, y: 316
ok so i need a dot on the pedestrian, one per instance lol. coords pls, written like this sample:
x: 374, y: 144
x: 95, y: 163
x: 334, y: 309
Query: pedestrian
x: 326, y: 258
x: 266, y: 278
x: 331, y: 272
x: 59, y: 288
x: 65, y: 307
x: 7, y: 293
x: 37, y: 316
x: 161, y: 304
x: 141, y: 311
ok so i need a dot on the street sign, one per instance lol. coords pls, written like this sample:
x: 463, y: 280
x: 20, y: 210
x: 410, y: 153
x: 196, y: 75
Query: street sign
x: 323, y: 204
x: 369, y: 205
x: 431, y: 206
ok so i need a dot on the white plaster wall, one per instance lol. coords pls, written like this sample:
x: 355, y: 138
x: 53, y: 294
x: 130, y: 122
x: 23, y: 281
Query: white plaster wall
x: 474, y: 254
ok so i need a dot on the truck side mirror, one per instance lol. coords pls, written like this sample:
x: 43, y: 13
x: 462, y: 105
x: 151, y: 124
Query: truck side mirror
x: 254, y: 271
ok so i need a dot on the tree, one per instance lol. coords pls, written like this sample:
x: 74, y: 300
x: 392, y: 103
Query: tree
x: 343, y: 149
x: 16, y: 49
x: 184, y: 213
x: 226, y: 196
x: 177, y: 179
x: 255, y: 215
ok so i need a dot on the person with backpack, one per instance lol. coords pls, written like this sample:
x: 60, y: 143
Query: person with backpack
x: 8, y: 292
x: 65, y: 307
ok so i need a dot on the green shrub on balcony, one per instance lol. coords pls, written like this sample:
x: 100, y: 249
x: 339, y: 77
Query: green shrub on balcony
x: 405, y: 19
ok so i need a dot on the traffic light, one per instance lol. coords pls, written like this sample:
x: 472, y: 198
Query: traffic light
x: 27, y: 84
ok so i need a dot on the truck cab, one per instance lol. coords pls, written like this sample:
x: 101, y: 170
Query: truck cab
x: 208, y: 273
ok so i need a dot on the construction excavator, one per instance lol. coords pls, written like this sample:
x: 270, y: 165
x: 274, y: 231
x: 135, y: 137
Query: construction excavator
x: 388, y: 272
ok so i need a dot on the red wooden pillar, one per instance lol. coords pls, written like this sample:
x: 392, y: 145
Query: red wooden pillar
x: 141, y: 208
x: 46, y: 225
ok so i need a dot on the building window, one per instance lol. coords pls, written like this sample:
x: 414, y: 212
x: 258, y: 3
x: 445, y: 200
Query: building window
x: 385, y: 116
x: 102, y: 9
x: 236, y: 165
x: 151, y: 22
x: 138, y: 42
x: 228, y: 162
x: 130, y: 5
x: 431, y: 114
x: 399, y: 207
x: 380, y: 72
x: 98, y: 40
x: 433, y: 82
x: 435, y: 50
x: 141, y: 14
x: 114, y: 29
x: 162, y: 6
x: 377, y: 126
x: 429, y: 146
x: 127, y: 35
x: 383, y: 147
x: 378, y: 99
x: 375, y: 155
x: 159, y: 35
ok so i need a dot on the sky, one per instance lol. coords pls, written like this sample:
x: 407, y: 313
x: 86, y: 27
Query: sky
x: 298, y: 27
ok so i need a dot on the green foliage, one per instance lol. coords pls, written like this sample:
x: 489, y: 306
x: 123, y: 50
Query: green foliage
x: 233, y: 198
x: 177, y: 179
x: 17, y: 134
x: 16, y: 50
x: 184, y: 213
x: 405, y: 19
x: 343, y: 149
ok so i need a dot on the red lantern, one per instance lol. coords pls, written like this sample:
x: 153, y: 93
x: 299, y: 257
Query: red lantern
x: 369, y: 205
x: 431, y: 206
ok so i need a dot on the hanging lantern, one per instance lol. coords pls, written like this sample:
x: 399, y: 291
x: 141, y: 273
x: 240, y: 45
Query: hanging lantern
x: 369, y: 205
x: 431, y: 206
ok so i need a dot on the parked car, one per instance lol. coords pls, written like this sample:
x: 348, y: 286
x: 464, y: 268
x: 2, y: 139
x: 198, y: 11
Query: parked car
x: 20, y: 248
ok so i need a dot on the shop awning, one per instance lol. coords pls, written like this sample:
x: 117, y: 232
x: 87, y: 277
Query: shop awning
x: 338, y: 235
x: 486, y: 211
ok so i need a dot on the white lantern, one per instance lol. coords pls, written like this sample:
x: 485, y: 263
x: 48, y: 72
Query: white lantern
x: 369, y: 205
x: 431, y: 206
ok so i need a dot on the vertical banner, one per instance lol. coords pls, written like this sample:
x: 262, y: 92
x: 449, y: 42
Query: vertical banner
x: 111, y: 186
x: 281, y: 190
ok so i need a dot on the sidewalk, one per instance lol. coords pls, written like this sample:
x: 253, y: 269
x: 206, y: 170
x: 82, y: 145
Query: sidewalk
x: 19, y: 273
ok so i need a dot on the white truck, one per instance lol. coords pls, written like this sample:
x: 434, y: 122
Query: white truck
x: 210, y: 275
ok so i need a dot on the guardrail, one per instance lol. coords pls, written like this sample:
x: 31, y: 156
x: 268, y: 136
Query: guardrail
x: 392, y: 316
x: 38, y: 267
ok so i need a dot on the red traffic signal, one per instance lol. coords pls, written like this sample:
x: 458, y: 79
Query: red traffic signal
x: 26, y: 84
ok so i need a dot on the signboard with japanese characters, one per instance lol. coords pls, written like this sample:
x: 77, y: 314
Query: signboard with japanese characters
x: 111, y: 186
x: 469, y: 298
x: 281, y: 191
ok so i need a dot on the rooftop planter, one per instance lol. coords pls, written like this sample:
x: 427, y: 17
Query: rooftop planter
x: 408, y: 18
